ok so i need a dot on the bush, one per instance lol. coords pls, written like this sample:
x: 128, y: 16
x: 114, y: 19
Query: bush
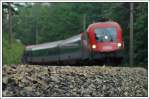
x: 12, y: 55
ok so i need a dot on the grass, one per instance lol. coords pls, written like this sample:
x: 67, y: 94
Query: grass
x: 11, y: 55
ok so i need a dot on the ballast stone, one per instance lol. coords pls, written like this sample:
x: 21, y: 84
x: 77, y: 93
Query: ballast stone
x: 38, y: 81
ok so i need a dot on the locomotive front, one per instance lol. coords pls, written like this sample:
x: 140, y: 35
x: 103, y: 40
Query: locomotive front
x: 105, y: 37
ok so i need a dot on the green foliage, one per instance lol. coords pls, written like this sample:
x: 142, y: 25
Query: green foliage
x: 12, y: 55
x: 141, y: 33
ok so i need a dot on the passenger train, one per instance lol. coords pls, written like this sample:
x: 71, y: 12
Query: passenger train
x: 101, y: 43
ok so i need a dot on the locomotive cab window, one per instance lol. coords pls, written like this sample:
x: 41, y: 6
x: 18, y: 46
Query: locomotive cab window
x: 105, y: 34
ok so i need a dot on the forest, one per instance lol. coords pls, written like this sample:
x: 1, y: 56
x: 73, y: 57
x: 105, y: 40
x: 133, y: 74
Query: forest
x: 35, y: 23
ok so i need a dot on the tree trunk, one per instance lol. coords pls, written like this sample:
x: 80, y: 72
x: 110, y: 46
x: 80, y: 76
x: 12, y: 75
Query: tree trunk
x: 10, y: 24
x: 36, y: 34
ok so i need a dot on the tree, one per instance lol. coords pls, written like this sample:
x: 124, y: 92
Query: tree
x: 8, y: 9
x: 10, y: 24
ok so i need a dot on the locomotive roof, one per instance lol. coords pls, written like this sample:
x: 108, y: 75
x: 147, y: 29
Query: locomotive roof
x: 53, y: 44
x: 113, y: 23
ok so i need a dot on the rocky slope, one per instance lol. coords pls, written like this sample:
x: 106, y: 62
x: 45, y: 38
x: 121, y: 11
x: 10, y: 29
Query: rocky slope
x: 34, y: 80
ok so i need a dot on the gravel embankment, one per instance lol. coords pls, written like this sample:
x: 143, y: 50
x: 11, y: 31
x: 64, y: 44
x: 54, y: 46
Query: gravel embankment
x: 32, y: 80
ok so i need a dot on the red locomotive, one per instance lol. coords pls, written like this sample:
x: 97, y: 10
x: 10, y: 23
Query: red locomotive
x: 104, y: 37
x: 102, y: 41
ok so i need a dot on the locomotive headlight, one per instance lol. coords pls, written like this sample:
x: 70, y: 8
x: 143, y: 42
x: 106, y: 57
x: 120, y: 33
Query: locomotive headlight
x: 119, y: 44
x: 93, y: 46
x: 106, y: 37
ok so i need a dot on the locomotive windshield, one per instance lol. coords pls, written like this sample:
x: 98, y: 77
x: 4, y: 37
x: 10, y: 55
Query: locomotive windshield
x: 105, y: 34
